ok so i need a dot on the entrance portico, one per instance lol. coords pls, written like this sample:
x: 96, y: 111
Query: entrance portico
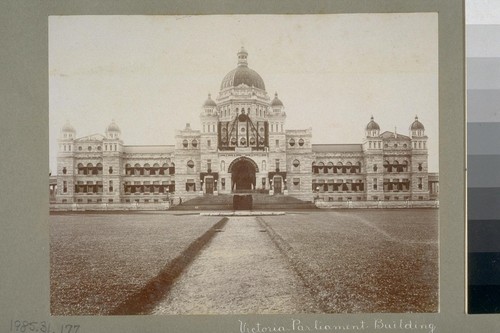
x: 243, y: 171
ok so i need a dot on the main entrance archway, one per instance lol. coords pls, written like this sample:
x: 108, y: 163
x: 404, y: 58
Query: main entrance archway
x: 243, y: 172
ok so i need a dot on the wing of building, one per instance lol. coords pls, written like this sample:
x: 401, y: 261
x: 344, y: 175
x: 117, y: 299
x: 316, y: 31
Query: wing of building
x: 243, y: 145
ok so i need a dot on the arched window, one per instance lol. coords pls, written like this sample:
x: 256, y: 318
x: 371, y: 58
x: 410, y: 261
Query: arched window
x: 194, y: 143
x: 110, y: 170
x: 329, y: 167
x: 98, y: 169
x: 223, y: 166
x: 291, y: 142
x: 185, y: 143
x: 301, y: 142
x: 387, y: 166
x: 64, y: 170
x: 252, y: 141
x: 263, y: 165
x: 243, y: 141
x: 190, y: 164
x: 296, y: 163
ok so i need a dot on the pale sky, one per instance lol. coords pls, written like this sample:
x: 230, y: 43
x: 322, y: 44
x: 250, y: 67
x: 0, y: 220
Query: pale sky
x: 332, y: 72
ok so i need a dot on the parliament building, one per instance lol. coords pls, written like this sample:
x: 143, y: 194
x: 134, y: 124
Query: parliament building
x: 243, y: 145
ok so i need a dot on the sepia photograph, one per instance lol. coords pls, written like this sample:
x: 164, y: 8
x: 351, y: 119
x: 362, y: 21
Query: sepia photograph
x: 243, y: 164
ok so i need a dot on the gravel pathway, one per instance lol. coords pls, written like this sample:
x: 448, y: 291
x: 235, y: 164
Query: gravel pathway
x: 241, y: 271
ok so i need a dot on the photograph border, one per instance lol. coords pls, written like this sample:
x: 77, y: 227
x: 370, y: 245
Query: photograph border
x: 24, y: 281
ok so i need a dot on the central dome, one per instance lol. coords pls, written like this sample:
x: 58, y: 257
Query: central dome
x: 242, y: 75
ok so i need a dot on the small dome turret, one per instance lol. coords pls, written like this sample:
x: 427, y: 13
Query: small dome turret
x: 209, y: 103
x: 417, y: 125
x: 417, y: 128
x: 372, y: 125
x: 372, y: 128
x: 68, y: 131
x: 276, y: 102
x: 113, y: 131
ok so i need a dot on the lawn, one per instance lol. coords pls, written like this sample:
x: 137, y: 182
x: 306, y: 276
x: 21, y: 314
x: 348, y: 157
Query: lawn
x: 350, y: 260
x: 98, y: 260
x: 364, y: 260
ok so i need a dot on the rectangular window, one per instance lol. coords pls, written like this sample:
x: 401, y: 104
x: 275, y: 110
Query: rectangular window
x: 375, y: 183
x: 209, y: 143
x: 277, y: 143
x: 99, y: 200
x: 65, y: 187
x: 64, y: 201
x: 209, y: 165
x: 223, y: 183
x: 110, y: 200
x: 277, y: 165
x: 89, y: 200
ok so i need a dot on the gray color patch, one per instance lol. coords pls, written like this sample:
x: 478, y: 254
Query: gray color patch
x: 483, y: 203
x: 483, y: 236
x: 483, y: 138
x: 482, y: 40
x: 483, y: 105
x: 483, y: 73
x: 483, y: 170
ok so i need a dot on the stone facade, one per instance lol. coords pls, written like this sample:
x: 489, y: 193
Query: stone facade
x: 243, y: 145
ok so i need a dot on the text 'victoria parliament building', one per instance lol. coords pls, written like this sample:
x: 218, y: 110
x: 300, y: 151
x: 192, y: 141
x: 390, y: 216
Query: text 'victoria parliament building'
x: 242, y: 146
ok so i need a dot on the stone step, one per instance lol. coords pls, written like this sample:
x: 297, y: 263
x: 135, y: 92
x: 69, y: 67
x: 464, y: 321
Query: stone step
x: 260, y: 201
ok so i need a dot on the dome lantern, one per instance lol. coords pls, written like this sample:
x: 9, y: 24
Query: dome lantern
x: 242, y: 57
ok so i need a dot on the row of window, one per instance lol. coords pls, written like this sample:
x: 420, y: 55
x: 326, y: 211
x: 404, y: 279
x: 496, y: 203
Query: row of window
x: 206, y: 128
x: 299, y: 143
x: 260, y: 112
x: 336, y: 168
x: 99, y: 200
